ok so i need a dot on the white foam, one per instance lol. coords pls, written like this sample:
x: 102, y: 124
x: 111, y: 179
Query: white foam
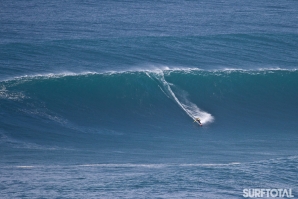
x: 127, y: 165
x: 157, y: 166
x: 145, y: 68
x: 5, y: 94
x: 252, y: 70
x: 210, y: 165
x: 25, y: 167
x: 51, y: 75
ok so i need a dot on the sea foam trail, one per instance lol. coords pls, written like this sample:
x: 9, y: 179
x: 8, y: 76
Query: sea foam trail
x: 191, y: 109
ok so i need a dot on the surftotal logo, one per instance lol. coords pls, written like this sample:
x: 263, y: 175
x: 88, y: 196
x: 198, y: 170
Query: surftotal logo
x: 269, y: 193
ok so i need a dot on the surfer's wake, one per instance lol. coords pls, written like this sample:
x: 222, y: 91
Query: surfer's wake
x: 190, y: 108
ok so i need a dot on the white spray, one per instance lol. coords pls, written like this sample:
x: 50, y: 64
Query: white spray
x: 190, y: 108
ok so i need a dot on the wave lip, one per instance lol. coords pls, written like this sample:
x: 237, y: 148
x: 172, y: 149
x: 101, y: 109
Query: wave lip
x: 159, y: 69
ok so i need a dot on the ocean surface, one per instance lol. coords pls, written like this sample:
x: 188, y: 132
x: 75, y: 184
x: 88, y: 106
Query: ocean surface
x: 98, y: 98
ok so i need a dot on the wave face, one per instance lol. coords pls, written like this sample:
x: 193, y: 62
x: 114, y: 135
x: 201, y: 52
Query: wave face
x: 139, y: 109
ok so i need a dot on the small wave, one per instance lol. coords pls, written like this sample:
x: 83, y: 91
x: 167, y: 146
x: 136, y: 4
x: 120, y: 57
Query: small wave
x: 128, y: 165
x: 25, y: 167
x: 276, y: 160
x: 125, y: 165
x: 210, y: 165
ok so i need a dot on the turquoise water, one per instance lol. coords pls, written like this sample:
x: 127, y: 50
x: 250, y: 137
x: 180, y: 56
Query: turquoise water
x: 97, y: 99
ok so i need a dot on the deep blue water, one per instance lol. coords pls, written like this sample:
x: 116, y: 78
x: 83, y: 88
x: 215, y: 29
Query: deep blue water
x: 98, y: 98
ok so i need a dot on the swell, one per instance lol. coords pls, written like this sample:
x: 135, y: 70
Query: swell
x: 207, y: 52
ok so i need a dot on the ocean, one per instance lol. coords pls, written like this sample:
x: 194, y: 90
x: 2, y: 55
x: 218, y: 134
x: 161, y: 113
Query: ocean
x: 98, y: 98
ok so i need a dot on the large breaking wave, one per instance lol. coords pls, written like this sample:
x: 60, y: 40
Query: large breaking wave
x: 162, y: 100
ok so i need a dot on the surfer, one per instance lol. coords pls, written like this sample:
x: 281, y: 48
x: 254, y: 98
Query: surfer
x: 198, y: 121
